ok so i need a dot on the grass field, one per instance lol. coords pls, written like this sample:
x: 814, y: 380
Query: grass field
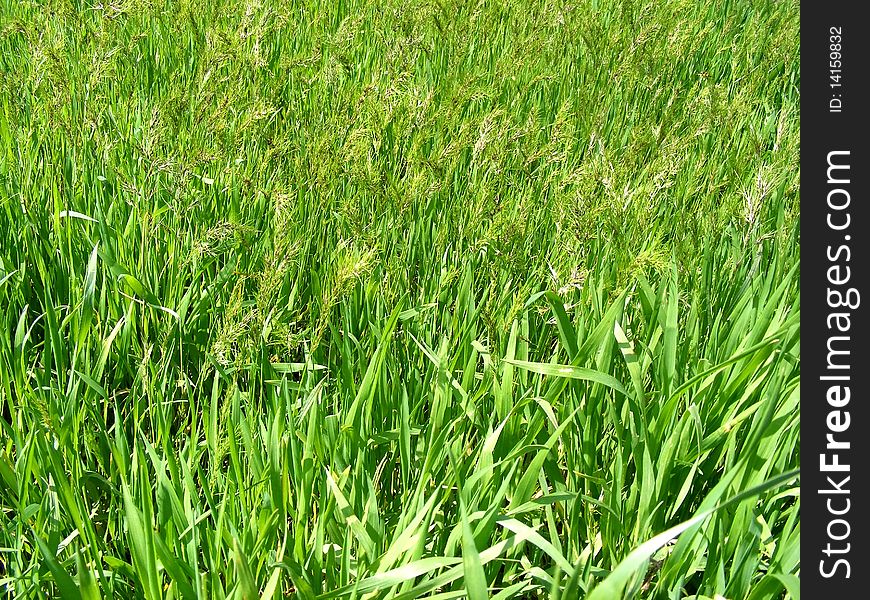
x: 442, y: 299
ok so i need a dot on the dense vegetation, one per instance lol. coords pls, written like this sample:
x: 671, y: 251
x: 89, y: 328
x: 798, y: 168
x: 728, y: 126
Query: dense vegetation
x: 403, y: 299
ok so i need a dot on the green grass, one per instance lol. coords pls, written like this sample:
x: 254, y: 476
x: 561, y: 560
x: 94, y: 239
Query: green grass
x: 399, y: 300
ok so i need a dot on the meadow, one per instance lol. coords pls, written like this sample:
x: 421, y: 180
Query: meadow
x: 402, y: 299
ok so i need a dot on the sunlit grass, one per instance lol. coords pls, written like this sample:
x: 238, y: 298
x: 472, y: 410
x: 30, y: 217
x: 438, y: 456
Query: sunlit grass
x: 399, y: 300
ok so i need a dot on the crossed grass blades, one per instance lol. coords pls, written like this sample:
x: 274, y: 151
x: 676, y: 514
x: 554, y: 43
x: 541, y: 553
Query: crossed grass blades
x: 399, y: 300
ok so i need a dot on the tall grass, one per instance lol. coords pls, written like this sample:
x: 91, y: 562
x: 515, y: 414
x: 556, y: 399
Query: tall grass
x: 399, y: 300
